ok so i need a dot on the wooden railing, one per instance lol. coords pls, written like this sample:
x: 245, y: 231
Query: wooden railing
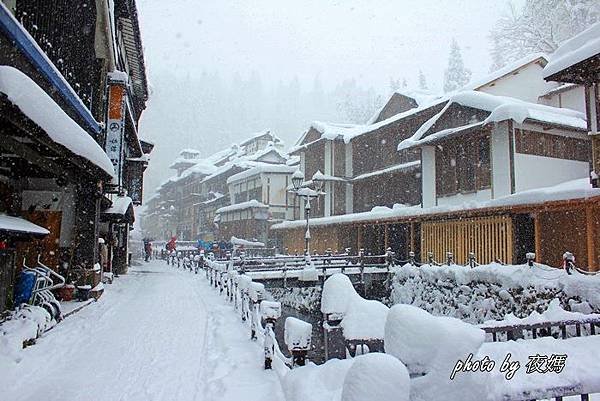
x: 556, y: 329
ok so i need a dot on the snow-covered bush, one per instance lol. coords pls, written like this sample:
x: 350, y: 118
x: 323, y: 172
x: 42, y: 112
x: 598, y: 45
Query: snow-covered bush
x: 303, y: 299
x: 490, y: 292
x: 22, y: 327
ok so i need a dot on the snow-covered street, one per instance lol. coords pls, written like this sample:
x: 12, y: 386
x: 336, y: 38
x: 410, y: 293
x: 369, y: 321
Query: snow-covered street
x: 158, y: 333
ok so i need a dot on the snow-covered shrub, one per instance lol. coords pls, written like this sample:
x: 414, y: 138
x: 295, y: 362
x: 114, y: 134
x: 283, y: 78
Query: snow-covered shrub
x: 21, y: 328
x: 303, y: 299
x: 376, y: 377
x: 490, y: 292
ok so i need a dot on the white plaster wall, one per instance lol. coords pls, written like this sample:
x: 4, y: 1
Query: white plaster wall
x: 533, y: 171
x: 500, y: 152
x: 573, y: 98
x: 428, y: 176
x: 527, y: 84
x: 277, y: 190
x: 459, y: 199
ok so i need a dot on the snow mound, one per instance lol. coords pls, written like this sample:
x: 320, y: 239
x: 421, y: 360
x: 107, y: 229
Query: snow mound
x: 376, y: 377
x: 23, y: 325
x: 365, y: 319
x: 426, y: 343
x: 362, y: 319
x: 338, y: 293
x: 316, y: 382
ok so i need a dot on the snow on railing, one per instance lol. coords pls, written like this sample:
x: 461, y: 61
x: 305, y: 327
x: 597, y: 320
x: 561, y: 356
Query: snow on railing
x: 248, y: 298
x: 431, y: 347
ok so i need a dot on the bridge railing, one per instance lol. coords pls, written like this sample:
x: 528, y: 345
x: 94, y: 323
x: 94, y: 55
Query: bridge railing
x: 557, y: 329
x: 248, y: 298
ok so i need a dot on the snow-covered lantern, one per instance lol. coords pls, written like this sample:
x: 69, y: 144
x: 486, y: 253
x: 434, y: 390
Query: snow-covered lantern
x: 530, y: 256
x: 297, y: 179
x: 256, y: 292
x: 318, y: 180
x: 270, y: 310
x: 298, y: 338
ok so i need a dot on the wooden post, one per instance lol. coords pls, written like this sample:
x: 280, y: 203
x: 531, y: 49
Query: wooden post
x: 412, y: 236
x: 591, y: 236
x: 537, y: 227
x: 386, y: 241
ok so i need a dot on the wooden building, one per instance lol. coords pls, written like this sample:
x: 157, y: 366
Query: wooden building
x: 186, y: 205
x: 577, y: 62
x: 55, y: 65
x: 498, y: 175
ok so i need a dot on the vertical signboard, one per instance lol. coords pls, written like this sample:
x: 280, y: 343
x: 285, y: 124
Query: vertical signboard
x: 115, y: 122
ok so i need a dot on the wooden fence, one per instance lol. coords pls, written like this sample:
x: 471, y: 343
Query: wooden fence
x: 490, y: 238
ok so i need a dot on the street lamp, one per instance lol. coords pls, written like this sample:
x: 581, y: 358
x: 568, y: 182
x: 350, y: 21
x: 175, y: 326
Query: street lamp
x: 307, y: 194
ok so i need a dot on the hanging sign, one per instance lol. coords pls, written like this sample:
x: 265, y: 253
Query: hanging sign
x: 115, y: 122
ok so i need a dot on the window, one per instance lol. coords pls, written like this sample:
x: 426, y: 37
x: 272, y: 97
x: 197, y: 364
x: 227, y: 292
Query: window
x: 463, y: 167
x: 548, y: 145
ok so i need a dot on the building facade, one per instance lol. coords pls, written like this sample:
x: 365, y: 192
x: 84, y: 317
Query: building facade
x: 58, y: 65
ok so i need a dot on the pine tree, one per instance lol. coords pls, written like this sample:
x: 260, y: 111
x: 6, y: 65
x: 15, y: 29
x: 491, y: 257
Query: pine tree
x: 422, y: 80
x: 498, y: 59
x: 456, y: 75
x: 394, y: 85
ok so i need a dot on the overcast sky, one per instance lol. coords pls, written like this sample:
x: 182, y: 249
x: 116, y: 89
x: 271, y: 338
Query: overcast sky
x: 371, y: 41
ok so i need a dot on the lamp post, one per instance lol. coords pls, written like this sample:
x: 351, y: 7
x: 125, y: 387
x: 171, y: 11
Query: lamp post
x: 307, y: 194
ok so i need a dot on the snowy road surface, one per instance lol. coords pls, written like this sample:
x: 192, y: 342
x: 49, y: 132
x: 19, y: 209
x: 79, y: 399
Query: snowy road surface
x: 157, y: 334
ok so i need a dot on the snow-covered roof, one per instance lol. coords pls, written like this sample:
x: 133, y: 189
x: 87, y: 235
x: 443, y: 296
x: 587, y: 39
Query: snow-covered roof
x: 575, y: 50
x: 243, y: 205
x: 19, y: 225
x: 423, y: 98
x: 506, y: 70
x: 200, y: 168
x: 256, y: 135
x: 41, y: 109
x: 182, y: 161
x: 348, y: 132
x: 262, y: 168
x: 570, y: 190
x: 269, y: 149
x: 190, y: 151
x: 243, y: 242
x: 501, y: 108
x: 120, y: 204
x: 398, y: 167
x: 559, y: 89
